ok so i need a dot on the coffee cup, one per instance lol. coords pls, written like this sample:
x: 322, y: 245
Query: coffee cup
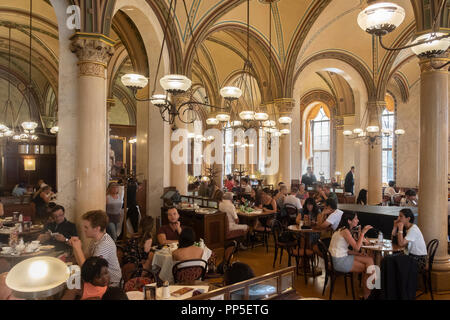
x: 6, y: 250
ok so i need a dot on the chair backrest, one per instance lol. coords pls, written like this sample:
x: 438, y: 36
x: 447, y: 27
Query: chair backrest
x: 228, y: 253
x: 326, y: 255
x: 290, y: 209
x: 277, y: 228
x: 431, y: 250
x: 189, y: 270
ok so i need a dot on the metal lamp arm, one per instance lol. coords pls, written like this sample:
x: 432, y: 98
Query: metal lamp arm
x: 410, y: 45
x: 202, y: 104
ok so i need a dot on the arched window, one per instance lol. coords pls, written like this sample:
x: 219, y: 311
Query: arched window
x: 387, y: 162
x: 229, y: 150
x: 320, y: 132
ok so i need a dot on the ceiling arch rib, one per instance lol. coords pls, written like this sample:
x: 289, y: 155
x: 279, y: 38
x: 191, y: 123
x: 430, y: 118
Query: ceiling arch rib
x: 348, y: 59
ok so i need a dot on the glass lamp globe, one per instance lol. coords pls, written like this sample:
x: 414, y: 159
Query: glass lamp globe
x: 285, y: 120
x: 357, y: 131
x: 261, y: 116
x: 223, y: 117
x: 276, y: 134
x: 236, y: 123
x: 29, y: 125
x: 16, y: 137
x: 231, y: 93
x: 159, y: 100
x: 347, y: 133
x: 212, y: 121
x: 269, y: 123
x: 247, y: 115
x: 285, y: 131
x: 8, y: 133
x: 175, y: 83
x: 134, y: 81
x: 3, y: 127
x: 399, y: 132
x: 386, y: 132
x: 34, y: 137
x: 373, y: 129
x: 54, y: 129
x: 433, y: 48
x: 381, y: 18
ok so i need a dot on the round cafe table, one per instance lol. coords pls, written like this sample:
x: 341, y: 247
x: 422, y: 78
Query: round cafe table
x: 378, y: 250
x: 15, y: 259
x: 295, y: 228
x: 163, y: 259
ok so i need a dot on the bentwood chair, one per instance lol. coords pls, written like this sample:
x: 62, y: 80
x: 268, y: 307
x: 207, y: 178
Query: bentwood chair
x: 291, y: 213
x: 305, y: 255
x: 426, y: 273
x: 277, y: 230
x: 189, y: 270
x: 332, y: 274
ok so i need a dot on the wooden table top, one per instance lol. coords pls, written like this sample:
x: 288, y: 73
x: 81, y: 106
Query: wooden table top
x: 296, y: 228
x: 256, y: 213
x: 386, y: 246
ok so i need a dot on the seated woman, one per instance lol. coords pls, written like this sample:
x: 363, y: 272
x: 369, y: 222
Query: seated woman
x: 310, y: 211
x: 137, y: 250
x: 186, y: 248
x: 410, y: 199
x: 95, y: 281
x: 302, y: 194
x: 413, y: 242
x: 268, y: 205
x: 345, y: 260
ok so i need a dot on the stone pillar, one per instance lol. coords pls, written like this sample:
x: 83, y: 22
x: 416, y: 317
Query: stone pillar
x: 433, y: 164
x: 142, y: 129
x: 285, y: 107
x: 93, y: 52
x: 179, y: 172
x: 339, y: 151
x: 375, y: 188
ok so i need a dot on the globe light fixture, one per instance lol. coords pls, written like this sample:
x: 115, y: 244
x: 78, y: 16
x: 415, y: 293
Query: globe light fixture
x: 247, y: 115
x: 159, y: 100
x: 223, y: 117
x: 175, y: 83
x: 29, y: 125
x: 285, y: 120
x: 261, y: 116
x: 381, y: 18
x: 399, y: 132
x: 431, y: 47
x: 212, y: 121
x: 373, y: 129
x: 231, y: 93
x: 236, y: 123
x: 134, y: 81
x: 347, y: 133
x: 269, y: 123
x: 357, y: 130
x: 285, y: 131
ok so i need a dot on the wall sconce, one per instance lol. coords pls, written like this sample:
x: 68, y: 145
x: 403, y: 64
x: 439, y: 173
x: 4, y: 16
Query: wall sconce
x: 29, y: 164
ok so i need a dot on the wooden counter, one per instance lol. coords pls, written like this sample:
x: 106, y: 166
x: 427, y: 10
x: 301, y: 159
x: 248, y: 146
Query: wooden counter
x: 209, y: 227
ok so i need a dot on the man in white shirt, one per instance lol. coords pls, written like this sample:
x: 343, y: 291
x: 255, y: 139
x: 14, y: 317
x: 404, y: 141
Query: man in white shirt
x: 334, y: 215
x: 292, y: 199
x: 227, y: 206
x: 245, y: 185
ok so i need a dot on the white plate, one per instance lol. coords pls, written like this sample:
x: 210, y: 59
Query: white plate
x: 135, y: 295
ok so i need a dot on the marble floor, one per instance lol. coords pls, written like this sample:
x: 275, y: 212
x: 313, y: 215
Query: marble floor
x: 261, y: 263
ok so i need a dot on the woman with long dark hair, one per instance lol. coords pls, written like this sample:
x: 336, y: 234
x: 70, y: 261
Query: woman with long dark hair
x: 310, y: 209
x: 187, y: 249
x: 345, y: 260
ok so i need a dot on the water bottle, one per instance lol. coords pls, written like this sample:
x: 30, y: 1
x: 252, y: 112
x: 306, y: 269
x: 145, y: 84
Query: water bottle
x: 166, y: 290
x: 380, y: 237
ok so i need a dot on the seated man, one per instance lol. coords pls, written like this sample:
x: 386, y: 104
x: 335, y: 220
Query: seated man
x: 292, y: 199
x: 327, y: 194
x: 94, y: 226
x: 58, y: 232
x: 331, y: 215
x: 413, y: 242
x: 410, y: 199
x: 170, y: 233
x: 227, y: 206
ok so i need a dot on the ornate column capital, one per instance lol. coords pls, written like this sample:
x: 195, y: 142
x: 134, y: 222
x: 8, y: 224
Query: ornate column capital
x: 93, y: 51
x: 285, y: 106
x: 374, y: 111
x: 426, y: 64
x: 339, y: 122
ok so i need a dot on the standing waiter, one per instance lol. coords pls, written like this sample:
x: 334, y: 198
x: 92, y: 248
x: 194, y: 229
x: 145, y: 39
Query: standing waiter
x: 349, y: 181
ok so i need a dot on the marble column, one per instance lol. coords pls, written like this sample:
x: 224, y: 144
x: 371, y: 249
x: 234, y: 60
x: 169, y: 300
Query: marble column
x: 179, y: 171
x: 375, y: 187
x: 433, y: 164
x: 93, y: 52
x: 339, y: 151
x: 285, y: 107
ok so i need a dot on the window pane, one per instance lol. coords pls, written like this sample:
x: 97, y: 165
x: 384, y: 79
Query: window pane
x: 321, y: 144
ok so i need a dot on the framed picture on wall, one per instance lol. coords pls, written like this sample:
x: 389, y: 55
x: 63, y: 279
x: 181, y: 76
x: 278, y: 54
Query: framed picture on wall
x: 117, y: 156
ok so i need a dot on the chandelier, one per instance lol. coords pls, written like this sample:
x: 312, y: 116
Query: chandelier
x: 380, y: 18
x: 250, y: 117
x: 170, y: 103
x: 372, y: 134
x: 25, y: 132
